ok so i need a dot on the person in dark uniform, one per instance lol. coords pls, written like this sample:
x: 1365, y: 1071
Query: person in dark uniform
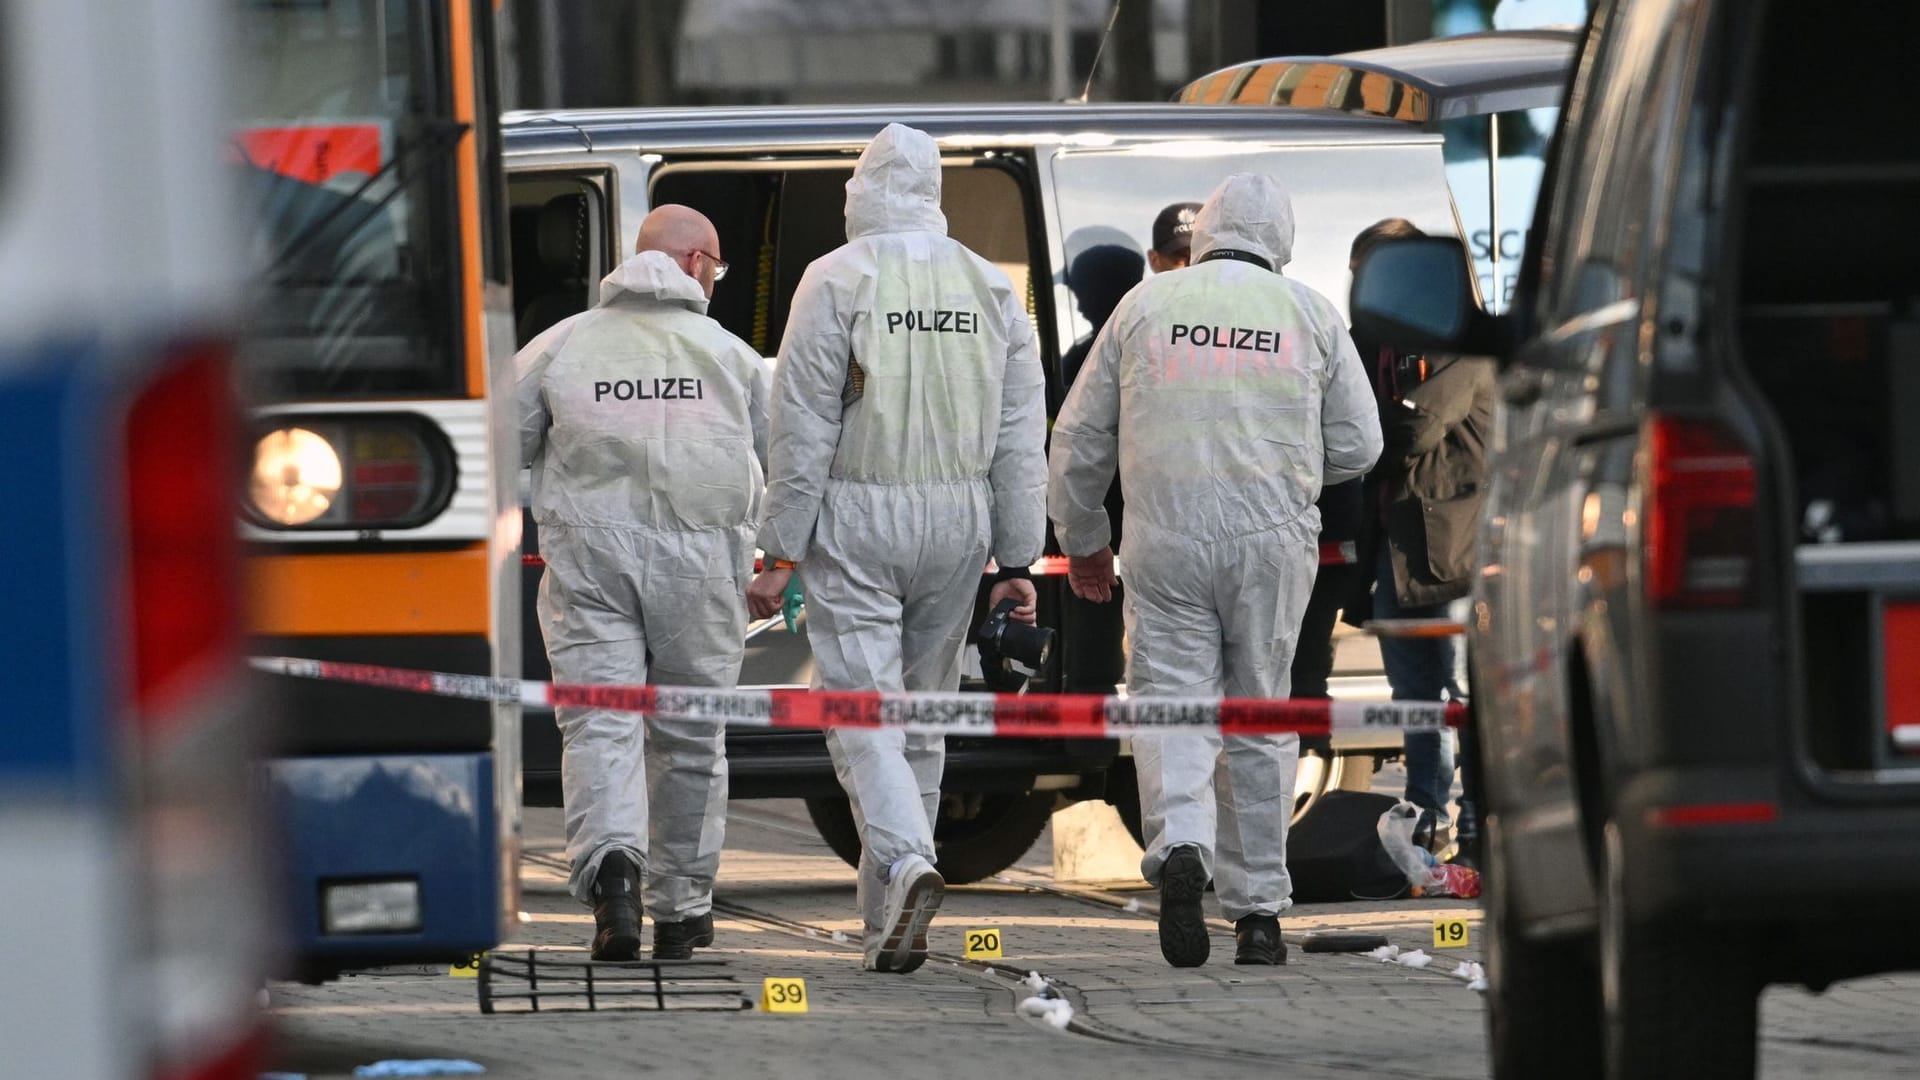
x: 1094, y: 636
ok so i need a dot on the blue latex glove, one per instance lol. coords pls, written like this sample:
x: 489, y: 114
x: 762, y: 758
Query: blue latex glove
x: 791, y: 602
x: 421, y: 1067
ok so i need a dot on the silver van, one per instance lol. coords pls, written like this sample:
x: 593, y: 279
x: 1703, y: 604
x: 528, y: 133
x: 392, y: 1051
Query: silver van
x: 1030, y: 188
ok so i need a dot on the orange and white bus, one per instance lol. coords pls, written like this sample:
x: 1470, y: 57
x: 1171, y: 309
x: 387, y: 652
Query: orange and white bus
x: 381, y: 520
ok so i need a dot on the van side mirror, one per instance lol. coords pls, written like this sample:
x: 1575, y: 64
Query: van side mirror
x: 1416, y: 294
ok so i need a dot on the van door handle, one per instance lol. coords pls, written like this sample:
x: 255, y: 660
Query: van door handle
x: 1522, y: 386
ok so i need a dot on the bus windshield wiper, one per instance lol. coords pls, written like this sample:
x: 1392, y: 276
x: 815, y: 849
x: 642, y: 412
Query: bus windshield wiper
x: 438, y: 138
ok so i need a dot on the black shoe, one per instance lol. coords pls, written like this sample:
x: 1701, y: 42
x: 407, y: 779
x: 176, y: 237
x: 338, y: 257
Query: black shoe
x: 1257, y: 941
x: 616, y: 909
x: 1183, y: 926
x: 677, y: 940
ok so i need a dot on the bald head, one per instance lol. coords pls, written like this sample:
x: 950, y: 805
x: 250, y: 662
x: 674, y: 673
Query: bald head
x: 685, y: 234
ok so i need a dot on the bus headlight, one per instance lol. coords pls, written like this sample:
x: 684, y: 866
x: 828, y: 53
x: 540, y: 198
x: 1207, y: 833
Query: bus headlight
x: 296, y: 476
x: 358, y: 471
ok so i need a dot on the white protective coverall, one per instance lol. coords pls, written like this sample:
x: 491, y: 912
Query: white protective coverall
x: 908, y: 446
x: 1227, y: 394
x: 645, y: 425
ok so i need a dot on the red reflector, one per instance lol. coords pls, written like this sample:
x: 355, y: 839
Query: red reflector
x: 181, y: 483
x: 536, y: 560
x: 1900, y: 635
x: 1701, y: 533
x: 388, y: 472
x: 391, y: 475
x: 1681, y: 817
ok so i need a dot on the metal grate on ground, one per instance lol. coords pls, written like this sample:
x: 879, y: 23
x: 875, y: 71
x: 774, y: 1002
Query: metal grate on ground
x: 528, y: 981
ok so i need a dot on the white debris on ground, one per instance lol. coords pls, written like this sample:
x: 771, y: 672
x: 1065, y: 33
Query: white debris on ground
x: 1386, y: 954
x: 1046, y: 1005
x: 840, y: 937
x: 1055, y: 1012
x: 1133, y: 905
x: 1414, y: 959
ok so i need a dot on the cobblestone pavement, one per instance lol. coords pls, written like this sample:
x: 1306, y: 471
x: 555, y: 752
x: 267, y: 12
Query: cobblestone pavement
x: 1322, y: 1015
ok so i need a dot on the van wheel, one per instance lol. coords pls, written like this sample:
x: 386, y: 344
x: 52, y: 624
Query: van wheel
x: 1680, y: 1000
x: 1543, y: 997
x: 978, y: 835
x: 1320, y: 772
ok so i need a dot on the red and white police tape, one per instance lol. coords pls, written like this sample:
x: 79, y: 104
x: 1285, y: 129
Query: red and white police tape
x: 1021, y: 715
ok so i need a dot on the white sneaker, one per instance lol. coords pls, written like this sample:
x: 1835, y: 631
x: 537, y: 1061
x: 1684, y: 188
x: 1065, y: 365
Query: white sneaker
x: 913, y: 895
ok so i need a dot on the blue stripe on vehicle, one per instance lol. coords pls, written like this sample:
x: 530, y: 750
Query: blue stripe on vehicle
x: 56, y: 437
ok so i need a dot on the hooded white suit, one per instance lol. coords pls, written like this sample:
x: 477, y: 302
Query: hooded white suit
x: 1227, y: 395
x: 908, y: 430
x: 645, y: 424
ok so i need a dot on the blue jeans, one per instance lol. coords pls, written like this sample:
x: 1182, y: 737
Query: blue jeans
x: 1418, y: 669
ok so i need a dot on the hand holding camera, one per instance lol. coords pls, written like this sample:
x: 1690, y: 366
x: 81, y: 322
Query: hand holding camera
x: 1006, y: 639
x: 1026, y: 599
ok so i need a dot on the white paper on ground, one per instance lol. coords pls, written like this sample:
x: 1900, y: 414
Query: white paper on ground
x: 1055, y: 1012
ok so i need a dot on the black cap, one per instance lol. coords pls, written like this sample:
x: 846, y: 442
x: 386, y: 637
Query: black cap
x: 1173, y: 229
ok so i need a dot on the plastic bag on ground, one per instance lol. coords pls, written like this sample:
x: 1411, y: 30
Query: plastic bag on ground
x: 1427, y: 875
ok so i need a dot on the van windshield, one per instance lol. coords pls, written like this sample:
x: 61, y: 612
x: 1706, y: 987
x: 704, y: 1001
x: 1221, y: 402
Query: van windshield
x: 346, y: 167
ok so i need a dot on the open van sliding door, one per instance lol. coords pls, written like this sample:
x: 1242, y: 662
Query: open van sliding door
x: 562, y: 218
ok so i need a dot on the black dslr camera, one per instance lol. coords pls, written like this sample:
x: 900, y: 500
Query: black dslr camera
x: 1003, y: 641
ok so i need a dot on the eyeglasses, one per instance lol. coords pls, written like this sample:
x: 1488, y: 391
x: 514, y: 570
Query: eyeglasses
x: 719, y: 265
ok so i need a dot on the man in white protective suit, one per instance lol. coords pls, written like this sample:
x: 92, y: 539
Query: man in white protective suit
x: 645, y: 424
x: 908, y: 433
x: 1227, y: 395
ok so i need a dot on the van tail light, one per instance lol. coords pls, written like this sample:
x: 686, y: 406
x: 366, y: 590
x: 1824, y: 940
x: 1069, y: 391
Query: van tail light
x: 1702, y: 537
x: 1900, y: 643
x: 202, y: 929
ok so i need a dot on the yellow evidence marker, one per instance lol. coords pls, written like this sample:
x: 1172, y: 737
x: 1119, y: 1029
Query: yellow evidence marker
x: 1449, y: 933
x: 468, y: 968
x: 784, y: 995
x: 983, y: 944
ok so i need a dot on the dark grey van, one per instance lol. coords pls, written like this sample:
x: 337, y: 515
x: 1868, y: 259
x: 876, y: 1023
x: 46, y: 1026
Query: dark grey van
x: 1696, y: 633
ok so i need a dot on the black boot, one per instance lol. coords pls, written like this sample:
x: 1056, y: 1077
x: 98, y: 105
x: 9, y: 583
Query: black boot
x: 616, y: 909
x: 1183, y: 925
x: 677, y: 940
x: 1467, y: 850
x: 1257, y: 941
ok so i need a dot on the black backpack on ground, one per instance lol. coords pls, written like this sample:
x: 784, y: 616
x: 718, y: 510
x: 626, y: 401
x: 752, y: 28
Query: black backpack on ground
x: 1334, y: 853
